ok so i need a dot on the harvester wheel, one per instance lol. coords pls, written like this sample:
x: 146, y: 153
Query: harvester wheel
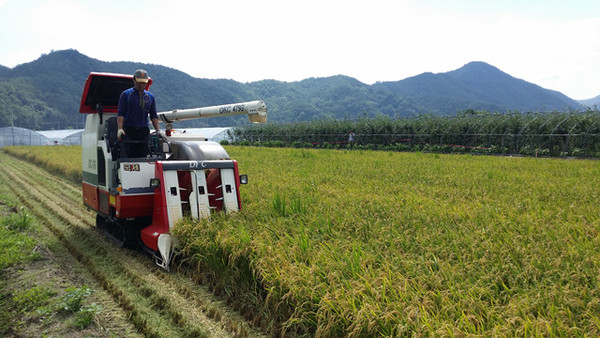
x: 112, y: 230
x: 100, y: 222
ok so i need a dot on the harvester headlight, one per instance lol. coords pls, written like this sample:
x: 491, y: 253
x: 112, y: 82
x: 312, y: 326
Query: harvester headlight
x: 243, y: 179
x: 154, y: 183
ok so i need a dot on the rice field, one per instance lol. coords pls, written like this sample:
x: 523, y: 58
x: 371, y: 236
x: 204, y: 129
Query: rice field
x: 362, y: 243
x: 64, y: 161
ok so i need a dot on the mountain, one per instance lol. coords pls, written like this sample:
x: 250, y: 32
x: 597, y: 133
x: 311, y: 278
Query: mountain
x: 479, y: 86
x: 45, y: 93
x: 57, y: 80
x: 331, y: 97
x: 591, y: 102
x: 4, y: 70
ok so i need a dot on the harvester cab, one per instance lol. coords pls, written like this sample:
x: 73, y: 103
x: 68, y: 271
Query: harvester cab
x: 138, y: 200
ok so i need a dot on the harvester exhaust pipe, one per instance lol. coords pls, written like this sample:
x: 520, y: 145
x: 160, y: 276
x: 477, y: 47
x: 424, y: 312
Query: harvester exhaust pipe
x: 256, y: 111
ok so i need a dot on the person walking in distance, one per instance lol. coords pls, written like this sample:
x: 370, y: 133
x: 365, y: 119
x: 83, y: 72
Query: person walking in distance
x: 136, y: 104
x: 351, y: 139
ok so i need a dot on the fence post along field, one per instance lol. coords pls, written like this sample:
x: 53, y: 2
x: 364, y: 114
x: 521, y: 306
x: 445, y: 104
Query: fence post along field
x: 362, y: 243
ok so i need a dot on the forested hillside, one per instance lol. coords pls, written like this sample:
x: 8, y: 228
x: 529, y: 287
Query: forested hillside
x: 332, y: 97
x: 45, y: 93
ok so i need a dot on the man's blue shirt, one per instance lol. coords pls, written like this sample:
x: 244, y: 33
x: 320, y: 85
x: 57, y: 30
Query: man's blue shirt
x: 135, y: 108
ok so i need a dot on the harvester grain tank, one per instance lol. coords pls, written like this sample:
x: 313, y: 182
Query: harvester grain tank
x: 138, y: 200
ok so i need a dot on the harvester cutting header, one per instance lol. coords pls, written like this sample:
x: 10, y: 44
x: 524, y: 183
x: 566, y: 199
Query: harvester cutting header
x: 139, y: 198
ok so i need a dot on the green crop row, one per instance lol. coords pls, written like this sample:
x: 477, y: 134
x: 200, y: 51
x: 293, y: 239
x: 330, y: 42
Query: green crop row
x: 541, y: 134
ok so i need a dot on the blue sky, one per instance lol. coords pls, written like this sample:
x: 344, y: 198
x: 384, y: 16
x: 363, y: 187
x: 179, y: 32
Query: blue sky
x: 555, y: 44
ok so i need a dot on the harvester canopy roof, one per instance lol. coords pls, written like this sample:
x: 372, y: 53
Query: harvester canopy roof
x: 103, y: 90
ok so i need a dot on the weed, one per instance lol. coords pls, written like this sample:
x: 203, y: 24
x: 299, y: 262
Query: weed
x: 306, y: 153
x: 32, y: 299
x: 279, y: 204
x: 73, y: 299
x: 85, y: 316
x: 286, y: 206
x: 16, y: 246
x: 20, y: 221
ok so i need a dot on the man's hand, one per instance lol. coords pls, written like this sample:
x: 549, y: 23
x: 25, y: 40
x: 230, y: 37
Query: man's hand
x: 120, y: 134
x: 162, y: 135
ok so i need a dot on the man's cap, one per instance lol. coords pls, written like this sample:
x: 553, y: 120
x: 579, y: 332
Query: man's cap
x: 140, y: 75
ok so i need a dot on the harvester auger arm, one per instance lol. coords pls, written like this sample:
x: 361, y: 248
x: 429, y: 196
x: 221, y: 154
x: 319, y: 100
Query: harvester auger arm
x: 256, y: 111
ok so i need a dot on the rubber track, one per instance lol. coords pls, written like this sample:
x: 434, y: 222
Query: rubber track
x: 180, y: 306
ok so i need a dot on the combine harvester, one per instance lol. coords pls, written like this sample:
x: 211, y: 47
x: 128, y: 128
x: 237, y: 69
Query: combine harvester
x: 138, y: 200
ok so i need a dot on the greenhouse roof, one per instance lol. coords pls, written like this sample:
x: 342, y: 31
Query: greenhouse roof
x: 59, y: 134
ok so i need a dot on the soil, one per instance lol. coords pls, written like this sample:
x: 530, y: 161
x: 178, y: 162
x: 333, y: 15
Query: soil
x: 131, y: 295
x: 55, y: 273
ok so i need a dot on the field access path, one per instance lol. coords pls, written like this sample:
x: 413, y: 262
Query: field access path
x: 157, y: 303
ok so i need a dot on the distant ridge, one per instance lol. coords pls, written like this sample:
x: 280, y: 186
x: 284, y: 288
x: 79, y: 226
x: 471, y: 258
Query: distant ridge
x: 45, y: 93
x: 479, y: 86
x: 591, y: 102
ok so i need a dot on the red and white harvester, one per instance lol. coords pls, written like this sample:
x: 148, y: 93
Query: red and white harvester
x: 138, y: 200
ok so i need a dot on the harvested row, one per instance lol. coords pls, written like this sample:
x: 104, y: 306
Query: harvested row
x: 158, y: 304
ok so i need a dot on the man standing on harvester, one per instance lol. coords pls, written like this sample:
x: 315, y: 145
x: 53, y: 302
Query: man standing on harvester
x: 135, y: 105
